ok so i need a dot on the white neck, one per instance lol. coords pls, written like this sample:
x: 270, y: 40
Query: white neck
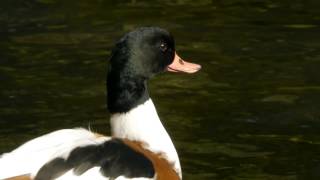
x: 142, y: 123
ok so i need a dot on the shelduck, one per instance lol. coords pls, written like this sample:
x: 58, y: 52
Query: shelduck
x: 139, y: 146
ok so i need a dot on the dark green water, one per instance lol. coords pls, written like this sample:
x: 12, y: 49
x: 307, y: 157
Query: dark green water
x: 253, y: 112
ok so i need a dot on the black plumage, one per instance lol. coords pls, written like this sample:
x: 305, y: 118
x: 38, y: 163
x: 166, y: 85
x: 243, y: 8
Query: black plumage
x: 113, y: 157
x: 137, y: 56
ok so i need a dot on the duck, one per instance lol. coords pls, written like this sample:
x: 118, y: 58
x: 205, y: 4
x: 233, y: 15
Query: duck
x: 139, y: 147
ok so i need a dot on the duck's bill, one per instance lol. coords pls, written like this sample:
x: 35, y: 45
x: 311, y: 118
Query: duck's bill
x: 179, y: 65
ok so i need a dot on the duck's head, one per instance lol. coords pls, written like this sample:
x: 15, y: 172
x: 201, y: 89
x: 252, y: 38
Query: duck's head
x: 136, y: 57
x: 147, y: 51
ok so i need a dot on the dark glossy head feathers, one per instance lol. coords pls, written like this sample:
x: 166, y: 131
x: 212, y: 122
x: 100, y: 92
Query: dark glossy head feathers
x: 137, y: 56
x: 143, y: 52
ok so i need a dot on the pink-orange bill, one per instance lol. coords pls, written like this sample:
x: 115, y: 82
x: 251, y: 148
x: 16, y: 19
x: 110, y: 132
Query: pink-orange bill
x: 179, y: 65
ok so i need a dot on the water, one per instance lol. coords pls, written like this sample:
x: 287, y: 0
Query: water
x: 253, y: 112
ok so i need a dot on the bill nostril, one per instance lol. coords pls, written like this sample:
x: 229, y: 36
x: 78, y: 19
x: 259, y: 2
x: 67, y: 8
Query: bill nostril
x: 181, y: 61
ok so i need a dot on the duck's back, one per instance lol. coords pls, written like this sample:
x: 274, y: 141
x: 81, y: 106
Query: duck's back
x: 80, y: 154
x: 31, y: 156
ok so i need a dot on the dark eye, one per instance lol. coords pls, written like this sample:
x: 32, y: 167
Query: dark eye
x: 163, y: 47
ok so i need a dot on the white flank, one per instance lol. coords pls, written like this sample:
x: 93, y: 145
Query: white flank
x: 31, y: 156
x: 94, y: 174
x: 142, y: 123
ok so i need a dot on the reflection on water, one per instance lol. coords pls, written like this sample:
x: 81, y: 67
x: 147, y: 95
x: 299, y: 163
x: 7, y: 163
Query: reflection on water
x: 251, y: 113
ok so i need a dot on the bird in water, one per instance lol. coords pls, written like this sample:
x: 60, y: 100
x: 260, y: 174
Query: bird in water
x: 139, y: 146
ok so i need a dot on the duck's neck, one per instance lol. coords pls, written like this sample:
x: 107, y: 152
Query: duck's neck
x: 141, y: 122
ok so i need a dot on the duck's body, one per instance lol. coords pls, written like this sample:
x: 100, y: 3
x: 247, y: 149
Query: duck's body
x: 145, y: 148
x: 140, y: 147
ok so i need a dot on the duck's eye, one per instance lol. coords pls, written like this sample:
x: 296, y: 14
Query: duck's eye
x: 163, y: 47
